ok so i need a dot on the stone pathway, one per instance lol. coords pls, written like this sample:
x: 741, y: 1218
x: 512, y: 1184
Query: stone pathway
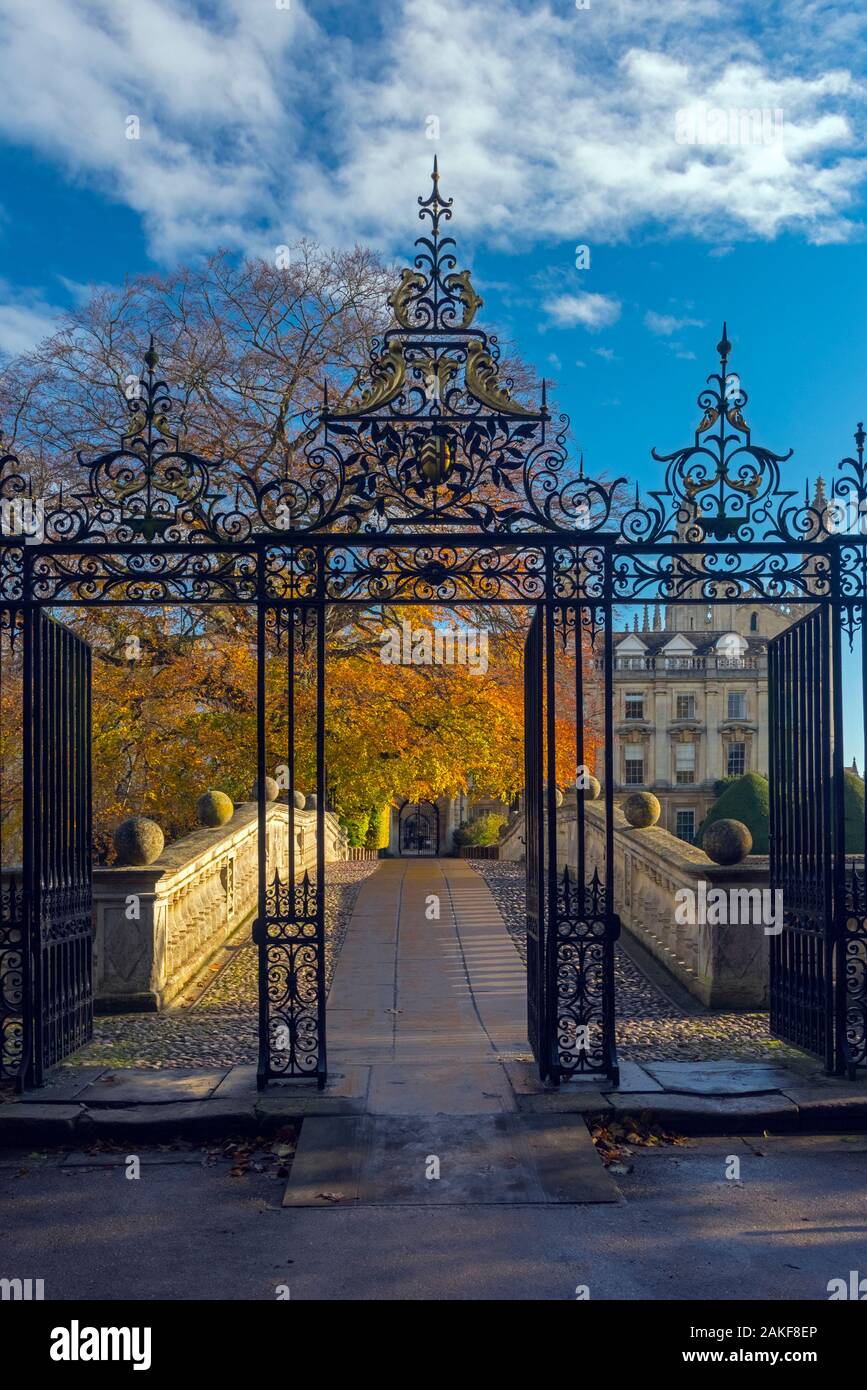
x: 427, y: 972
x: 649, y: 1025
x: 218, y: 1025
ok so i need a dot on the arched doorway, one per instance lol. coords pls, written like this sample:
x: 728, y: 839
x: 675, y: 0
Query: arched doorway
x: 419, y: 829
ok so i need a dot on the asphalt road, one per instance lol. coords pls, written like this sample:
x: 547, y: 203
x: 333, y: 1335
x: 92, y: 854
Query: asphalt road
x: 795, y: 1219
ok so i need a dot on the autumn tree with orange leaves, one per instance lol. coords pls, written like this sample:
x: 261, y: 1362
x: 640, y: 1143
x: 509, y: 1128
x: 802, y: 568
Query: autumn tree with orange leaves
x: 246, y: 347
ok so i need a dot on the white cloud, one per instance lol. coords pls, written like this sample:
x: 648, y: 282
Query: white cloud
x: 554, y: 123
x: 24, y: 320
x: 666, y: 324
x: 593, y: 311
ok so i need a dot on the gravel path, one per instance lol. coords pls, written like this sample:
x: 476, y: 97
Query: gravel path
x: 649, y: 1026
x: 218, y: 1026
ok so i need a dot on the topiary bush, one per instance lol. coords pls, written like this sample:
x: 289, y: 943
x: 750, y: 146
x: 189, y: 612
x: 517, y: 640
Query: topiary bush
x: 745, y: 799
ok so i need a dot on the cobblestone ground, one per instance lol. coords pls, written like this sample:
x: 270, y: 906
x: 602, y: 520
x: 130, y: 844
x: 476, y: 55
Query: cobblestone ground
x: 218, y: 1026
x: 649, y: 1026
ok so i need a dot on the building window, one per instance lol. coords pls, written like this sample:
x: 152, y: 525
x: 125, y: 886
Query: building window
x: 737, y: 705
x: 684, y: 763
x: 737, y: 759
x: 634, y: 706
x: 684, y: 706
x: 684, y: 825
x: 754, y: 623
x: 634, y: 765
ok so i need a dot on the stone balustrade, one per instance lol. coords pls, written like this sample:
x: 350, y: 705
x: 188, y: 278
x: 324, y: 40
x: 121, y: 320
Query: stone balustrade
x: 156, y: 926
x: 724, y: 965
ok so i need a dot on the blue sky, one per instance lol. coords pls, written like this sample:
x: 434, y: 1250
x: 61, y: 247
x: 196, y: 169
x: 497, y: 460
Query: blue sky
x: 555, y: 126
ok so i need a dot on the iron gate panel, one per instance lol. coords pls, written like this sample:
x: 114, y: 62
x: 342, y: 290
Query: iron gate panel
x: 290, y: 926
x: 538, y: 1029
x: 806, y: 822
x: 12, y: 929
x: 586, y: 925
x: 58, y: 1013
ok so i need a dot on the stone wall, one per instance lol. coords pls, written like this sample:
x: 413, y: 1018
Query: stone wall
x: 723, y: 966
x: 155, y: 927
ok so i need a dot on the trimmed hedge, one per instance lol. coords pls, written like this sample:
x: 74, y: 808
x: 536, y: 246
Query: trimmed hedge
x: 747, y: 799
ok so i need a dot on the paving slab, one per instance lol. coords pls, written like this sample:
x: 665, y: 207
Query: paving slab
x: 63, y: 1084
x: 633, y: 1077
x: 141, y: 1086
x: 455, y: 1160
x: 710, y: 1114
x: 174, y: 1119
x: 827, y: 1109
x: 465, y: 1087
x: 720, y: 1078
x: 34, y: 1124
x: 565, y: 1100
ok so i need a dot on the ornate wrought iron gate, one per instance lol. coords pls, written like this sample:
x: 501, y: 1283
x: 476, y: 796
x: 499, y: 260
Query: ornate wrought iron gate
x: 58, y: 982
x: 434, y: 484
x: 806, y: 836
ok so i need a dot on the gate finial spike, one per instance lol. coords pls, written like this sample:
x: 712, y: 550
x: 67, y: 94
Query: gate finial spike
x: 724, y: 347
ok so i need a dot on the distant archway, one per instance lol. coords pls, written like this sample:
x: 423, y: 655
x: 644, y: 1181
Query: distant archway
x: 419, y: 829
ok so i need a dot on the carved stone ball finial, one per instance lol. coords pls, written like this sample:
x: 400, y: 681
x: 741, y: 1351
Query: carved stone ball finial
x: 727, y: 841
x: 138, y: 841
x: 214, y: 809
x: 642, y: 810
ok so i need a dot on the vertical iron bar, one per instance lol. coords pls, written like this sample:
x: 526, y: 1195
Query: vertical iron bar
x: 612, y: 922
x: 580, y: 809
x: 838, y: 1047
x: 263, y: 1070
x: 552, y: 926
x: 321, y: 1064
